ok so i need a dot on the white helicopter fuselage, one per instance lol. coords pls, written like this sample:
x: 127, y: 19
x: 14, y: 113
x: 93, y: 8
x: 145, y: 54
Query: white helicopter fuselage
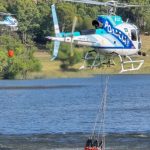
x: 113, y: 36
x: 107, y: 43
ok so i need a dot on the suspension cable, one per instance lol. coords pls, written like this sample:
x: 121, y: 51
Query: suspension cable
x: 101, y: 114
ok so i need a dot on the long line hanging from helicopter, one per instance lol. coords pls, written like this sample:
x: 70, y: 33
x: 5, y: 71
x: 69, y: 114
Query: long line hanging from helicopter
x: 111, y: 36
x: 96, y: 140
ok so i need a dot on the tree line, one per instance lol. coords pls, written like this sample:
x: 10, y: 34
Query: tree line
x: 35, y: 23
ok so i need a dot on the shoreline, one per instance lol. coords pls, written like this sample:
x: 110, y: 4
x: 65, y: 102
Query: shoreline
x: 40, y: 76
x: 72, y: 141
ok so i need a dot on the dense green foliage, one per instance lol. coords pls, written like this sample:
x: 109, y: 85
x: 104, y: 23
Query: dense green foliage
x: 35, y: 23
x: 21, y: 63
x: 67, y: 57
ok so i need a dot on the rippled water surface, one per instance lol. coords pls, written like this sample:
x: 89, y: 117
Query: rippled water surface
x: 70, y: 105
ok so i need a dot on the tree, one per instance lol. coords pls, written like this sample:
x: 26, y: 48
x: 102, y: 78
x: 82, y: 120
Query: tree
x: 67, y: 58
x: 3, y: 6
x: 27, y: 16
x: 22, y: 62
x: 66, y: 13
x: 136, y: 15
x: 45, y: 24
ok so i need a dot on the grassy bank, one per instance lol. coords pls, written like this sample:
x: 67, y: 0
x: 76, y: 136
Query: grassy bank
x: 51, y: 69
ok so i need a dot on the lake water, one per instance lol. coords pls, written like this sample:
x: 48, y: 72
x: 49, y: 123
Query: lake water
x: 69, y: 106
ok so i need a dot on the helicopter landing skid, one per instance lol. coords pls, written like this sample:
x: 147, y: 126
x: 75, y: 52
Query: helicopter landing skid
x: 93, y: 59
x: 130, y: 62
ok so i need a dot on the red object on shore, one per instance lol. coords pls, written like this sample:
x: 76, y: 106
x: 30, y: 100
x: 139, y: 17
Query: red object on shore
x: 92, y: 148
x: 10, y: 53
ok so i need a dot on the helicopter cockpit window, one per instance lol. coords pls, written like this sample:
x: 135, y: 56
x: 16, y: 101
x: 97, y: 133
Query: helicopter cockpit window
x: 133, y: 35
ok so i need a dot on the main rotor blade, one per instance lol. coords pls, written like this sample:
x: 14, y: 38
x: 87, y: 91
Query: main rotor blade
x: 93, y: 2
x: 108, y: 3
x: 5, y: 14
x: 87, y: 2
x: 122, y: 5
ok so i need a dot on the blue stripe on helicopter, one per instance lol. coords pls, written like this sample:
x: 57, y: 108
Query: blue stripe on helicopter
x: 118, y: 34
x: 112, y: 48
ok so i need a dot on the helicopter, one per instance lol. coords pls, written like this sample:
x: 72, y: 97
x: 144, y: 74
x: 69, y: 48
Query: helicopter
x: 110, y: 37
x: 9, y: 21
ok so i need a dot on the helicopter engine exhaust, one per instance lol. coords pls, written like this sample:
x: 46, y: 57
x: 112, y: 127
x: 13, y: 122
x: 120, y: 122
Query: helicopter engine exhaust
x: 96, y: 24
